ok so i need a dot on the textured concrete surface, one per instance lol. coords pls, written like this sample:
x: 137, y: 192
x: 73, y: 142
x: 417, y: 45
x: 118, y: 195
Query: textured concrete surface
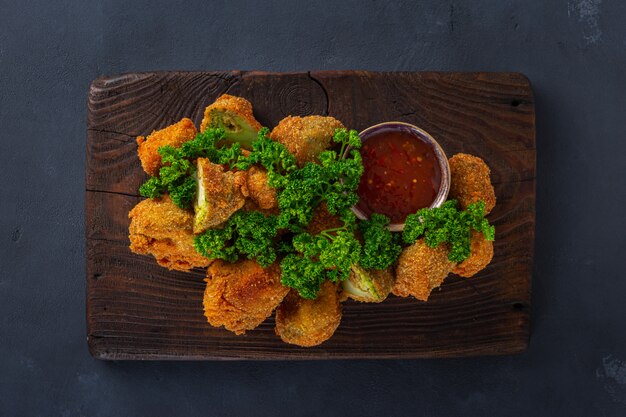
x: 573, y: 51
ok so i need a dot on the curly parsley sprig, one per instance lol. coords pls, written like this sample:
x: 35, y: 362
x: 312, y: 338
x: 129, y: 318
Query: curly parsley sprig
x: 381, y: 247
x: 273, y: 156
x: 334, y: 180
x: 331, y: 254
x: 246, y: 233
x: 177, y: 176
x: 328, y: 255
x: 448, y: 224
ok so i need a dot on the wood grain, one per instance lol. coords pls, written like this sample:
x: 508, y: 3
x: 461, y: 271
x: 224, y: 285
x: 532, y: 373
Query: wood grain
x: 138, y: 310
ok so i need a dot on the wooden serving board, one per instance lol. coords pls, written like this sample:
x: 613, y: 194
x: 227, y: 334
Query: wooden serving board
x: 138, y: 310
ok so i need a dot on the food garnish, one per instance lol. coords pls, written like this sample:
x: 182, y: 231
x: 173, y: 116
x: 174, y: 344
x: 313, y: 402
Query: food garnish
x: 447, y: 224
x: 381, y: 247
x: 177, y: 176
x: 249, y: 234
x: 333, y: 181
x: 328, y: 256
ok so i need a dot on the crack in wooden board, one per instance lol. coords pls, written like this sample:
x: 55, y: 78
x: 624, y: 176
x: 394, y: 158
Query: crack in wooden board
x: 138, y: 310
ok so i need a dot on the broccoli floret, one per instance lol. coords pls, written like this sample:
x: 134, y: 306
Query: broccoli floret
x: 236, y: 128
x: 370, y: 286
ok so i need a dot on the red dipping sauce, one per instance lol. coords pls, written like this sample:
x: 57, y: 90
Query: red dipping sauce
x: 402, y: 173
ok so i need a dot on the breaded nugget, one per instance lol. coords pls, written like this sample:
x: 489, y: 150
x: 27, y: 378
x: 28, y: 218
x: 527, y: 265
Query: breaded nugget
x: 306, y: 137
x: 305, y: 322
x: 234, y: 115
x: 260, y: 191
x: 162, y: 229
x: 240, y: 296
x: 174, y: 135
x: 481, y: 255
x: 323, y: 220
x: 219, y: 195
x: 421, y: 269
x: 368, y: 285
x: 470, y: 181
x: 252, y: 206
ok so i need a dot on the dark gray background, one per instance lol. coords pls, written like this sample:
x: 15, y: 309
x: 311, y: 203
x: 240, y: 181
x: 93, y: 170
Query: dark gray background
x: 573, y: 51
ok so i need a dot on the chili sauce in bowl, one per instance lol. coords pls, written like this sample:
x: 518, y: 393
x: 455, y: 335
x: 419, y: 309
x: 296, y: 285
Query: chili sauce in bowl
x: 405, y: 170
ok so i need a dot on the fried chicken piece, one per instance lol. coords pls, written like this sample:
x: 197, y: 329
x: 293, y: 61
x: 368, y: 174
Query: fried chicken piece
x: 174, y: 135
x: 421, y: 269
x: 260, y: 191
x: 481, y: 255
x: 240, y: 296
x: 305, y: 322
x: 470, y: 181
x: 323, y: 220
x: 234, y: 115
x: 162, y: 229
x: 219, y: 195
x: 306, y: 137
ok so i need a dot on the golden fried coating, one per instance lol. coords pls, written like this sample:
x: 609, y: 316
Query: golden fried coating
x: 323, y: 220
x: 305, y: 322
x: 306, y: 137
x: 234, y: 115
x: 174, y: 135
x: 368, y: 285
x: 240, y: 296
x: 252, y: 206
x: 481, y: 255
x: 470, y: 181
x: 219, y: 195
x: 421, y: 269
x: 260, y: 191
x: 162, y: 229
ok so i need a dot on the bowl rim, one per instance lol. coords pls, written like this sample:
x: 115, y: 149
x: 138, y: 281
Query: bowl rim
x: 440, y: 154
